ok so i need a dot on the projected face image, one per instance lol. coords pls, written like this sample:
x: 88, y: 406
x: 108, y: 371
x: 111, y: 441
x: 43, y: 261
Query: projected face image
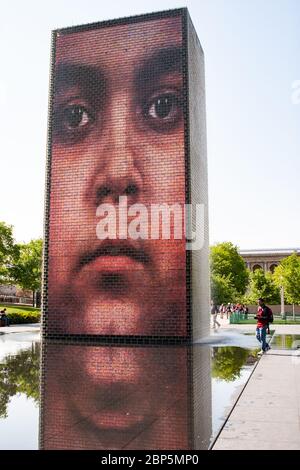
x: 117, y: 130
x: 115, y: 398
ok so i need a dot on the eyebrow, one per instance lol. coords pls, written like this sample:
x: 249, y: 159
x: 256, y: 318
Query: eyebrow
x: 161, y: 63
x: 92, y: 82
x: 88, y: 78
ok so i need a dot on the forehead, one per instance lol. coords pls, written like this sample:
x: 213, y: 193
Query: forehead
x: 116, y: 44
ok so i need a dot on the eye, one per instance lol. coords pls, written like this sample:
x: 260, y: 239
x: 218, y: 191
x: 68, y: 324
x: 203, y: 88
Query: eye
x: 73, y: 121
x: 163, y: 110
x: 75, y: 116
x: 162, y: 107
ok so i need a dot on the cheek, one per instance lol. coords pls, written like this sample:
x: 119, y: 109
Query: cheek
x: 171, y: 255
x: 171, y: 145
x: 165, y: 181
x: 164, y: 168
x: 71, y: 210
x: 60, y: 264
x: 68, y: 175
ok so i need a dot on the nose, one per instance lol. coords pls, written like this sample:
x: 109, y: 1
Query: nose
x: 120, y: 175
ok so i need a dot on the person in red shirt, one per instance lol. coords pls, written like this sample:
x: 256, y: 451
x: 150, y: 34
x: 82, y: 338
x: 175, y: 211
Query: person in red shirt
x: 262, y: 318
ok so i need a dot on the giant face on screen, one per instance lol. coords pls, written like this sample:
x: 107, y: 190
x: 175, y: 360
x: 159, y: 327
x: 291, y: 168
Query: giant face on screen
x: 115, y: 397
x: 115, y: 265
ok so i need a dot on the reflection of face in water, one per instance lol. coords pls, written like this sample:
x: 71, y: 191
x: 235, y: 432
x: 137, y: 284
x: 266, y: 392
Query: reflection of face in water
x: 108, y: 397
x: 118, y: 130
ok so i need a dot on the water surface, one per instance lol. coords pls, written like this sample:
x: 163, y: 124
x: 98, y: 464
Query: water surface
x: 222, y: 364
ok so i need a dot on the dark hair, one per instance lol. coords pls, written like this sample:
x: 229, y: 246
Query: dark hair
x: 261, y: 299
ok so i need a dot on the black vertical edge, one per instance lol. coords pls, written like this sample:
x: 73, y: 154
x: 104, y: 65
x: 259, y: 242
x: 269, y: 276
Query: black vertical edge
x: 48, y: 189
x: 44, y: 315
x: 189, y: 293
x: 188, y: 259
x: 43, y: 372
x: 190, y: 395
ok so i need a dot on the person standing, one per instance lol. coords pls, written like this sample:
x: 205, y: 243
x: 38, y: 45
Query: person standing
x: 262, y: 318
x: 4, y: 318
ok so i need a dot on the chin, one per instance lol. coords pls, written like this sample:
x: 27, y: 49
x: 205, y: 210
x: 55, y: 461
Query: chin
x: 141, y: 313
x: 110, y: 317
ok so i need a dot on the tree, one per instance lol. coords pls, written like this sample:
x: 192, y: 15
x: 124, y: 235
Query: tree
x: 222, y: 290
x: 8, y: 251
x: 19, y: 373
x: 262, y: 285
x: 227, y: 362
x: 27, y: 268
x: 287, y: 275
x: 226, y: 262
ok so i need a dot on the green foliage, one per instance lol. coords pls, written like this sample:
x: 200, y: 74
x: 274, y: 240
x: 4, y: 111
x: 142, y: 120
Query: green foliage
x: 287, y: 274
x: 16, y: 318
x: 8, y: 251
x: 20, y: 263
x: 229, y: 275
x: 18, y: 308
x: 262, y: 285
x: 222, y: 290
x: 18, y: 315
x: 227, y: 362
x: 19, y: 373
x: 27, y: 268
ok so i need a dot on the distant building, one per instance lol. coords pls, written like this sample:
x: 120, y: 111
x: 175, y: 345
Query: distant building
x: 14, y: 294
x: 266, y: 259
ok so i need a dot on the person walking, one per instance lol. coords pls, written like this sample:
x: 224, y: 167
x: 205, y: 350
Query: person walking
x: 221, y: 311
x: 228, y: 311
x: 263, y: 319
x: 214, y: 313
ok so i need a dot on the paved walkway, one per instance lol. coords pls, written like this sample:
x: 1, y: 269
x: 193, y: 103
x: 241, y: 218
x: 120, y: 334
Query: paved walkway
x: 24, y: 328
x: 267, y: 414
x: 279, y: 329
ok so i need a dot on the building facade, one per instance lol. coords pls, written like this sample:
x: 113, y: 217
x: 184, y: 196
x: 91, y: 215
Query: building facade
x: 266, y: 259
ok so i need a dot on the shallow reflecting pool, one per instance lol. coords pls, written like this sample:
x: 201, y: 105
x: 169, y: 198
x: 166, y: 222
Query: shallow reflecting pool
x: 19, y: 390
x: 289, y: 342
x: 117, y: 397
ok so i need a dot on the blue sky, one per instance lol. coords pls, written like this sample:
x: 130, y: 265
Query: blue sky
x: 252, y: 61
